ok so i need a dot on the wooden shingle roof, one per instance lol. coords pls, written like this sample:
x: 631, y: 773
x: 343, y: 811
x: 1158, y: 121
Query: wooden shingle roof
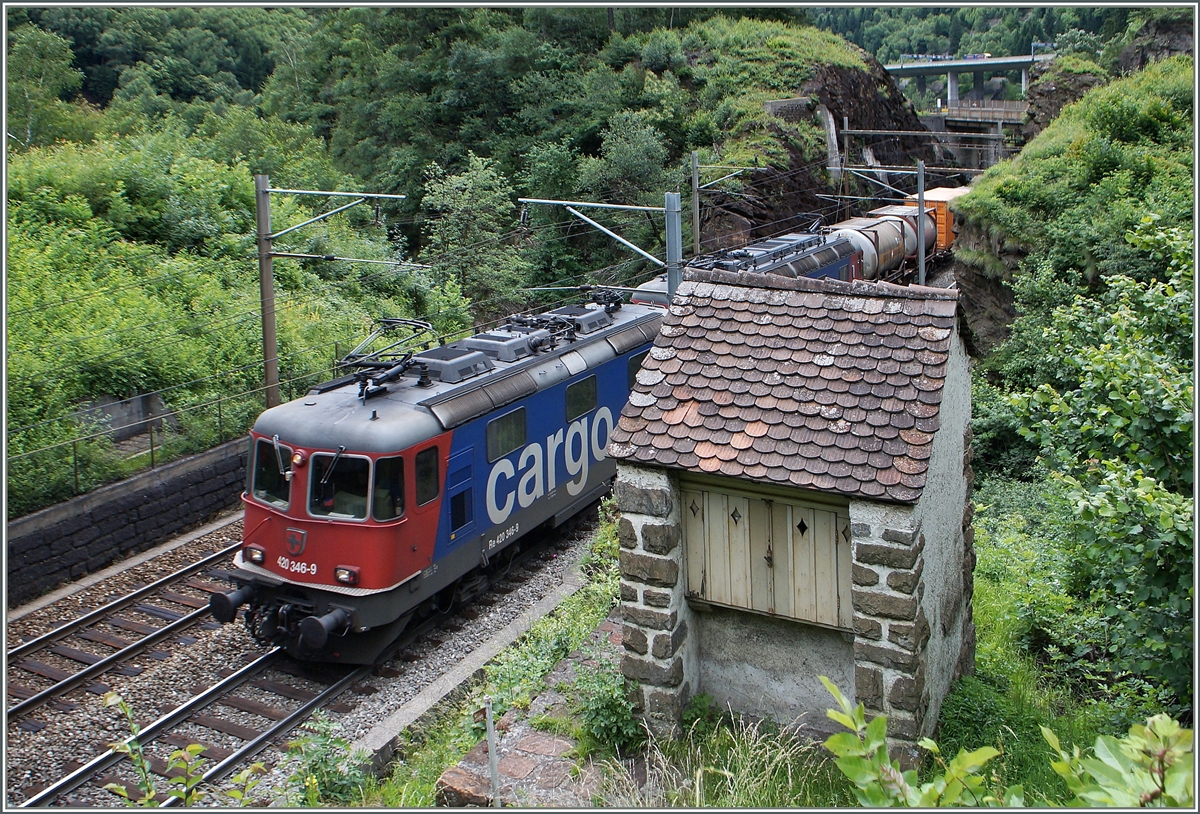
x: 817, y: 384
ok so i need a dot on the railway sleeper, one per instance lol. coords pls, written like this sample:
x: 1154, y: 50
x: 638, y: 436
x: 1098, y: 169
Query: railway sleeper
x: 131, y: 789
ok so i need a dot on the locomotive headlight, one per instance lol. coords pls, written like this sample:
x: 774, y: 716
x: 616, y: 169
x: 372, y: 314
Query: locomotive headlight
x: 346, y: 574
x: 298, y: 460
x: 255, y: 554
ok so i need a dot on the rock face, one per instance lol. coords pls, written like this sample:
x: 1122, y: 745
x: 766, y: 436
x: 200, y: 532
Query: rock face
x: 1049, y: 92
x: 782, y: 199
x: 1158, y: 39
x: 987, y: 300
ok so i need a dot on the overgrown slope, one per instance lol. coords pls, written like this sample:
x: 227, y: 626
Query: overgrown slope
x: 1069, y: 197
x: 1089, y: 232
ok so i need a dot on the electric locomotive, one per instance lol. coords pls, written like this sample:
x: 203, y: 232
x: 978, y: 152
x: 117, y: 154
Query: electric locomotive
x: 383, y: 493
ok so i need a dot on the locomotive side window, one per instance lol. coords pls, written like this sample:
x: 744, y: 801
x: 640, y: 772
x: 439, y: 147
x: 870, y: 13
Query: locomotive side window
x: 387, y: 501
x: 338, y: 486
x: 427, y: 475
x: 635, y: 364
x: 581, y: 398
x: 460, y: 510
x: 506, y: 433
x: 270, y: 485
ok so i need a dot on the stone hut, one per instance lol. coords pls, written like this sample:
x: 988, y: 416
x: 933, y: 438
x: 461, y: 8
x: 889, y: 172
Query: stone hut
x: 794, y: 485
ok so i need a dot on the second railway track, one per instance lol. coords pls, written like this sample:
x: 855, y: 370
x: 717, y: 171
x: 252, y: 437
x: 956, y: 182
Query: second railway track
x: 256, y: 715
x: 160, y: 601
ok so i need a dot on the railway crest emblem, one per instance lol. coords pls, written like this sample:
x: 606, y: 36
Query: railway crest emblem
x: 295, y: 541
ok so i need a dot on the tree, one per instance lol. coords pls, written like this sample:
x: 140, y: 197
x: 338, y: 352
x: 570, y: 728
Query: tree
x: 1076, y: 41
x: 631, y: 164
x: 39, y: 74
x: 469, y: 217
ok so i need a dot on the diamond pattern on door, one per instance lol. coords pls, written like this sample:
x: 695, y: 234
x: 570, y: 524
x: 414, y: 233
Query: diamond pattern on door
x: 779, y: 557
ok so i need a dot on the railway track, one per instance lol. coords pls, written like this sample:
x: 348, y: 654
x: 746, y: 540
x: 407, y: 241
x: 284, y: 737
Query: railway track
x: 157, y: 601
x: 273, y: 692
x: 195, y: 711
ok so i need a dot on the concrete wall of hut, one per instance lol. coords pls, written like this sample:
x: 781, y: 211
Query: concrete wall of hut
x: 944, y: 513
x: 769, y: 668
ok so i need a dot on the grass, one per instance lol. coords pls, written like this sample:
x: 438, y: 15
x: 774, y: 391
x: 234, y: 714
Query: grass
x: 737, y: 764
x: 1022, y: 562
x: 512, y: 679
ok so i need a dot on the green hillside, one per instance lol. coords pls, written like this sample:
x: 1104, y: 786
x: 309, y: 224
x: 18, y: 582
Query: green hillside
x: 136, y: 133
x: 1083, y: 418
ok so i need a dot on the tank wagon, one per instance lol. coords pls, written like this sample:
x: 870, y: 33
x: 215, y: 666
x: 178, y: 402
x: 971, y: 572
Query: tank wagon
x: 874, y: 247
x: 384, y: 493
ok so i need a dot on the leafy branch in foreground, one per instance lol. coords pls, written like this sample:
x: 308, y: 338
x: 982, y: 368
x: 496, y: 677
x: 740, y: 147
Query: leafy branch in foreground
x: 184, y: 770
x: 862, y: 756
x: 1151, y: 766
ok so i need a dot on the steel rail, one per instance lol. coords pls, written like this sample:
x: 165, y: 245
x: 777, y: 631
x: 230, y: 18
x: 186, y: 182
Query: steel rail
x: 251, y: 748
x: 92, y: 670
x: 226, y: 767
x: 172, y: 719
x: 92, y: 617
x: 281, y: 727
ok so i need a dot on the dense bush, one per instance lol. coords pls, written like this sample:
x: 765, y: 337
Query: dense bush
x: 130, y: 272
x: 1120, y: 439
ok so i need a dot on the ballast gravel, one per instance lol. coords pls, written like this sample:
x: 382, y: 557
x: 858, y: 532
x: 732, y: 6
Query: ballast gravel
x: 75, y: 737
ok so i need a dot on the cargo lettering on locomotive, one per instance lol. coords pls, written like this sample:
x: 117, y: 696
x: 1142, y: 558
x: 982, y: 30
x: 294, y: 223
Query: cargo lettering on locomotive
x: 537, y: 466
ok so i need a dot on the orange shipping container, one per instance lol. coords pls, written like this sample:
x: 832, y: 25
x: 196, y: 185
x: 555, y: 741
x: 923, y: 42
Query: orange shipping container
x: 939, y: 198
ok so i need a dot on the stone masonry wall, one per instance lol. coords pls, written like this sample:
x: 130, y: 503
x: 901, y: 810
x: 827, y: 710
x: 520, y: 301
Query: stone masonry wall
x: 659, y: 661
x: 890, y: 624
x: 82, y: 535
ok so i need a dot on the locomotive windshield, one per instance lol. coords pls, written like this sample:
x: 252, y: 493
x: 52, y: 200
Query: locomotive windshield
x: 270, y: 484
x: 338, y: 486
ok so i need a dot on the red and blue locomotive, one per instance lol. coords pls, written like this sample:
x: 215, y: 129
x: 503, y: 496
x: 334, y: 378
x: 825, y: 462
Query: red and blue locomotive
x: 374, y: 495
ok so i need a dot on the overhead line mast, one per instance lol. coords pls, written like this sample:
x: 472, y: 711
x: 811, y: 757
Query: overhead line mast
x: 266, y: 271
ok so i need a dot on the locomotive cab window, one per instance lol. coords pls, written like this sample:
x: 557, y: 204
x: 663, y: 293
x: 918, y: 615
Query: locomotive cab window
x: 270, y: 485
x: 635, y: 364
x: 387, y: 498
x: 506, y: 433
x: 581, y: 398
x: 427, y: 475
x: 338, y: 486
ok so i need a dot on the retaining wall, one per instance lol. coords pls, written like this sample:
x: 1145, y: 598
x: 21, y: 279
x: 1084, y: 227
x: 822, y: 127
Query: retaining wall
x: 68, y: 540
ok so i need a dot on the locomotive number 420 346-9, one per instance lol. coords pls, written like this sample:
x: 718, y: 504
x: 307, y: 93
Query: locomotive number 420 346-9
x: 297, y: 567
x: 507, y: 534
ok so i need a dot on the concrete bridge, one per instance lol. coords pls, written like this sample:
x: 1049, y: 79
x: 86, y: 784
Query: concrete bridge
x: 952, y: 68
